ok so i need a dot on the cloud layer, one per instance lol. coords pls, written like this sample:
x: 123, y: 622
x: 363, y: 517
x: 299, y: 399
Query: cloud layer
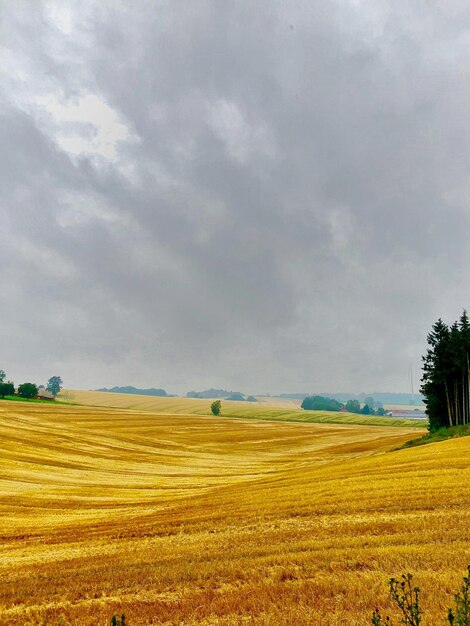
x: 270, y: 196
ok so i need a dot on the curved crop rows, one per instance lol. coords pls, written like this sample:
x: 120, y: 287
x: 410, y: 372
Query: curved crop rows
x: 177, y: 519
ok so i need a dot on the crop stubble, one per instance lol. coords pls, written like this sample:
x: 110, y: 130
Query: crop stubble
x: 191, y: 519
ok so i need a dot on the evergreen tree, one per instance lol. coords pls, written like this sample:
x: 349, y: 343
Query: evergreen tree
x: 446, y: 374
x: 464, y: 327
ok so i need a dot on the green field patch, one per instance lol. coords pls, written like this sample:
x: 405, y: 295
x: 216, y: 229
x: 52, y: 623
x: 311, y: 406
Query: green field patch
x: 34, y: 400
x: 440, y: 435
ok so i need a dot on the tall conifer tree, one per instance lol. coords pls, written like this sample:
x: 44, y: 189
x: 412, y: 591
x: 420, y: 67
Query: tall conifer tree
x: 446, y: 374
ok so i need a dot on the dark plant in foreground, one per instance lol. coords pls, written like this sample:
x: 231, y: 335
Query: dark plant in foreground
x: 118, y: 621
x: 460, y: 616
x: 406, y: 599
x: 378, y: 621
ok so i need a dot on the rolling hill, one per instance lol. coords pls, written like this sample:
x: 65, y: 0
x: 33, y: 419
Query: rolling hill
x: 271, y: 409
x: 174, y: 518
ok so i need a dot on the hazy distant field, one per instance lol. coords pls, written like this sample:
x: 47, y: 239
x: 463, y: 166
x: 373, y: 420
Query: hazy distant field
x: 291, y: 403
x: 189, y: 519
x: 270, y: 410
x: 405, y: 407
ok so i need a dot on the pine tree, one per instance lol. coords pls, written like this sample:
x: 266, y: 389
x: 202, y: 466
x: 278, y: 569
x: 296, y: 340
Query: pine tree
x: 446, y: 374
x: 464, y: 325
x: 435, y: 384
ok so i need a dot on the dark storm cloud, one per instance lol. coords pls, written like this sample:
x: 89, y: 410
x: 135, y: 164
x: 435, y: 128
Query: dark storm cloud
x: 266, y: 196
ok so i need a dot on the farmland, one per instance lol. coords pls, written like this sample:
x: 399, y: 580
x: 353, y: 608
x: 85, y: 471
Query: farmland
x: 177, y: 518
x: 272, y: 410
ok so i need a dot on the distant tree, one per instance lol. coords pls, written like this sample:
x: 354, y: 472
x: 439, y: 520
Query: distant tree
x: 28, y: 390
x: 251, y: 399
x: 209, y: 393
x: 320, y: 403
x: 54, y: 385
x: 380, y: 411
x: 237, y: 396
x: 353, y: 406
x: 135, y: 390
x: 2, y: 376
x: 7, y: 389
x: 193, y: 394
x: 370, y: 401
x: 216, y: 407
x: 366, y: 410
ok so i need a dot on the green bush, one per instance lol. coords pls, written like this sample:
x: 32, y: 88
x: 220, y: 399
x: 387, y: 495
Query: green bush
x: 7, y: 389
x: 320, y: 403
x: 216, y: 407
x: 28, y: 390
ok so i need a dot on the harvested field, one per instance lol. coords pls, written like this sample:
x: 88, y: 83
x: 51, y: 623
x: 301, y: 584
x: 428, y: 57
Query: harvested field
x: 260, y: 411
x: 186, y: 519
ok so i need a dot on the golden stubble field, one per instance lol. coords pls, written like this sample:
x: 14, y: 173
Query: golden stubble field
x: 187, y: 519
x: 272, y: 409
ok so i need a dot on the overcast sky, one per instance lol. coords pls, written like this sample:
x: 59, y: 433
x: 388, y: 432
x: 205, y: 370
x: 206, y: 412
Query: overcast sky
x: 266, y: 196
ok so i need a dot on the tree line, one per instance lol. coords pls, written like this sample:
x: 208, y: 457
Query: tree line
x: 27, y: 390
x: 135, y: 390
x: 446, y: 374
x: 323, y: 403
x: 223, y: 394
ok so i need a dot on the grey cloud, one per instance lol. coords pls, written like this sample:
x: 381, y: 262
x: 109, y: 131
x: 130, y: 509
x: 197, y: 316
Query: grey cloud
x: 276, y: 198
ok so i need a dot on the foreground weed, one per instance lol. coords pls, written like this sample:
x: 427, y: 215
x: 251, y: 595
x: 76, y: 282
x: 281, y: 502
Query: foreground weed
x: 378, y: 621
x: 461, y: 616
x: 406, y: 599
x: 118, y: 621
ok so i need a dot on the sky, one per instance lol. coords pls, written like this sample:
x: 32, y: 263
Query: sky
x: 268, y: 196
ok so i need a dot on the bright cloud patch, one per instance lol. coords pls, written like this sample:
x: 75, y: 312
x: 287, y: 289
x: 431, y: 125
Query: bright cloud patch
x: 88, y: 126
